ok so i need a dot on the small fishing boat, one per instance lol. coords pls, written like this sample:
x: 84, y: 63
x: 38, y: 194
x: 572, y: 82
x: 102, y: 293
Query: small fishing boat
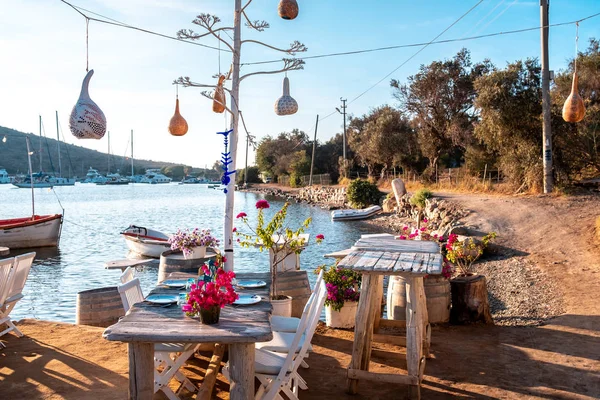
x: 350, y: 215
x: 34, y: 231
x: 4, y: 178
x: 146, y: 242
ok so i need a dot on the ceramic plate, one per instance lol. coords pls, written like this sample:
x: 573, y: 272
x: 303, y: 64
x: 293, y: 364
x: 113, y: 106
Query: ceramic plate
x: 247, y: 299
x: 174, y: 283
x: 251, y: 283
x: 162, y: 298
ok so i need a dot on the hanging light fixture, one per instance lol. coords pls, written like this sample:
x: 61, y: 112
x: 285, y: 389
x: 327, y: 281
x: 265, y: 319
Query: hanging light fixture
x: 574, y: 109
x: 219, y: 101
x: 87, y: 121
x: 286, y: 105
x: 178, y: 125
x: 288, y: 9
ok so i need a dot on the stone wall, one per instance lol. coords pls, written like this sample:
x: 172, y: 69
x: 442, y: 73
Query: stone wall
x: 323, y: 195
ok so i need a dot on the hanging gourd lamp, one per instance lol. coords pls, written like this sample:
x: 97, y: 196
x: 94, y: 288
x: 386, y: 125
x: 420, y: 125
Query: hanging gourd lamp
x: 219, y: 101
x: 574, y: 109
x: 87, y: 121
x: 288, y: 9
x: 286, y: 105
x: 178, y: 125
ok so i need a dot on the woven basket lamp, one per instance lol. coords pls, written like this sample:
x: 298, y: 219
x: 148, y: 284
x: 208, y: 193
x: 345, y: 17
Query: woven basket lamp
x: 573, y: 109
x: 219, y: 102
x: 286, y: 105
x: 178, y: 125
x: 288, y: 9
x: 87, y: 121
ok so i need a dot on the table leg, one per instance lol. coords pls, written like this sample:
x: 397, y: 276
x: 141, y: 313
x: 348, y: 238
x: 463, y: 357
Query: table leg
x: 363, y: 330
x: 241, y: 371
x: 414, y: 332
x: 378, y: 304
x: 141, y: 370
x: 426, y: 325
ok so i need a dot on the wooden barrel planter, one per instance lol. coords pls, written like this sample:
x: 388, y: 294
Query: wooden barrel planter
x: 174, y: 261
x: 296, y: 285
x: 470, y: 300
x: 99, y: 307
x: 437, y: 294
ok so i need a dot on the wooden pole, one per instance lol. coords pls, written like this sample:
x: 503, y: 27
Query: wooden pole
x: 484, y: 174
x: 312, y: 161
x: 546, y: 101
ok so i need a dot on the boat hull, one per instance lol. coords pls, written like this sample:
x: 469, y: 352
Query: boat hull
x: 351, y: 215
x: 43, y: 231
x: 146, y: 247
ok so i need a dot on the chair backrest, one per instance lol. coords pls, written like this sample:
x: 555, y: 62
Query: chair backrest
x: 6, y: 277
x: 21, y: 267
x: 313, y: 294
x: 131, y: 293
x: 127, y: 275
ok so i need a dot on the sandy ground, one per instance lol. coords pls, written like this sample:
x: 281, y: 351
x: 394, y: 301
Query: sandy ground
x: 559, y: 360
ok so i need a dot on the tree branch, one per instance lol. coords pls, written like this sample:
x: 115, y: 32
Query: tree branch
x: 247, y: 4
x: 295, y: 47
x: 210, y: 96
x: 290, y: 64
x: 186, y: 82
x: 207, y: 22
x: 260, y: 26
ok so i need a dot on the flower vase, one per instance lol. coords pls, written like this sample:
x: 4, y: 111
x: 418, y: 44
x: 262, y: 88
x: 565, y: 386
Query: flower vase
x: 344, y: 318
x: 197, y: 252
x: 210, y: 316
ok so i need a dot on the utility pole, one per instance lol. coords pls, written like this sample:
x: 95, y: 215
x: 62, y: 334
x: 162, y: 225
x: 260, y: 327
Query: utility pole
x: 246, y: 168
x: 312, y: 161
x: 546, y: 128
x: 344, y: 134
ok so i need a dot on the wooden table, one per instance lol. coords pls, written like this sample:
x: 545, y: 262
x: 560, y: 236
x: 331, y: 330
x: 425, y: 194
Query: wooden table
x: 239, y: 326
x: 127, y: 262
x: 374, y: 258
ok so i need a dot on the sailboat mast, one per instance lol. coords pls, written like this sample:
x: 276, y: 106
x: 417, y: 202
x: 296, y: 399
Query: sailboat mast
x: 108, y: 172
x: 30, y: 176
x: 132, y: 154
x: 41, y: 168
x: 58, y: 146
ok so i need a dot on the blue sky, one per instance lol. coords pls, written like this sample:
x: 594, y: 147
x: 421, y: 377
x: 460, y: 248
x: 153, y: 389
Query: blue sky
x: 42, y: 62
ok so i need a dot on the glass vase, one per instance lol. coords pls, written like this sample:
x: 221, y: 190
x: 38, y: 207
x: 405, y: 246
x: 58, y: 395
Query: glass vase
x: 210, y: 316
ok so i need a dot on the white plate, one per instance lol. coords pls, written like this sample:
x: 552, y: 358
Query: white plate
x: 251, y: 283
x: 162, y: 298
x: 174, y: 283
x: 247, y: 299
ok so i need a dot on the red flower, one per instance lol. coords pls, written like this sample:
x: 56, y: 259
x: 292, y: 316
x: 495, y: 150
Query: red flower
x: 262, y: 204
x: 234, y: 229
x: 320, y: 236
x: 242, y: 215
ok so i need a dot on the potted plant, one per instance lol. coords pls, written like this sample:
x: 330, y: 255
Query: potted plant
x: 469, y: 291
x: 213, y: 291
x: 193, y: 244
x: 342, y: 296
x: 281, y: 240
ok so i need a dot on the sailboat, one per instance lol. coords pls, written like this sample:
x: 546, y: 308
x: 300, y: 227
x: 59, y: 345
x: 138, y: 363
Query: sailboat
x: 34, y: 231
x: 113, y: 179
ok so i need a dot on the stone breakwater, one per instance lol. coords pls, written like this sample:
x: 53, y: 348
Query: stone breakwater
x: 323, y: 196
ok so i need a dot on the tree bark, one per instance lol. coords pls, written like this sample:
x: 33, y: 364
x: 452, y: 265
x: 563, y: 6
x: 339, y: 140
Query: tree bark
x: 469, y: 300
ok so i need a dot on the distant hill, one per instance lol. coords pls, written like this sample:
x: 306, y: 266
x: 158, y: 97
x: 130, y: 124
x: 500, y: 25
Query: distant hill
x: 75, y: 160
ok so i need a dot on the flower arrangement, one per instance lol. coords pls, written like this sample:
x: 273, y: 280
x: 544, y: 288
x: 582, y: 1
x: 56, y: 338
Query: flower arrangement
x: 464, y: 253
x: 274, y: 235
x: 342, y: 285
x: 213, y: 291
x: 186, y: 240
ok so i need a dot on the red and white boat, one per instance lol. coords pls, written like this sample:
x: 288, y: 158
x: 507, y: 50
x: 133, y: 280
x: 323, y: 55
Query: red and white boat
x: 35, y: 231
x: 146, y: 242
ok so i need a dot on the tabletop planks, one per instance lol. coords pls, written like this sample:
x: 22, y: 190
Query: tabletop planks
x: 393, y: 263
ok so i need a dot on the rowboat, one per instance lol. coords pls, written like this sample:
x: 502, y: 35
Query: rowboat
x: 349, y: 215
x: 35, y: 231
x: 146, y: 242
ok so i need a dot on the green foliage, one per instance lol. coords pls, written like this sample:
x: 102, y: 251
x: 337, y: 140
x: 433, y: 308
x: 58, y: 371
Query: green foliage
x: 295, y: 180
x: 276, y: 156
x: 361, y: 193
x: 176, y: 172
x: 342, y: 285
x: 253, y: 175
x: 463, y: 254
x: 419, y: 197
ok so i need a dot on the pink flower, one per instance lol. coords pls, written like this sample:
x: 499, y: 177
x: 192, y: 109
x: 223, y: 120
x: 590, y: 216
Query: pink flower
x: 242, y: 215
x: 424, y: 219
x: 234, y: 229
x: 320, y: 237
x: 405, y: 228
x: 262, y: 204
x: 402, y: 237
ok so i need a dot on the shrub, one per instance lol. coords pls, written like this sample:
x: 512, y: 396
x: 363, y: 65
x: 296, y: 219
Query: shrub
x: 361, y: 193
x: 419, y: 197
x: 344, y: 181
x: 295, y: 180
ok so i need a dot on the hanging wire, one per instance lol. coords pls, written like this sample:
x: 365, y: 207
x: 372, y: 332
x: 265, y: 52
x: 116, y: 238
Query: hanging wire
x: 87, y: 47
x: 576, y: 44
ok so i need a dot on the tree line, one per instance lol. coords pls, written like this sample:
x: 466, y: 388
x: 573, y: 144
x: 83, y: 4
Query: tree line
x: 454, y: 113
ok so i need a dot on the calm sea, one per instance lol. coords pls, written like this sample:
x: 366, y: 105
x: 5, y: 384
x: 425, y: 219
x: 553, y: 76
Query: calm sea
x: 94, y: 216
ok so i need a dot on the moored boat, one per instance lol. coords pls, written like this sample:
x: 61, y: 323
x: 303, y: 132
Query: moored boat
x: 35, y: 231
x: 349, y: 214
x: 146, y: 242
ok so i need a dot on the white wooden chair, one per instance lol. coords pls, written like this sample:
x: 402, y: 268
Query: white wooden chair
x: 168, y: 357
x: 6, y: 278
x: 21, y: 268
x: 127, y: 275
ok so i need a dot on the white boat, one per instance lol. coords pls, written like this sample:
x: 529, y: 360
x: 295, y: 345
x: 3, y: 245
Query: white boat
x: 93, y: 176
x: 35, y: 231
x: 44, y: 180
x: 349, y: 215
x: 146, y: 242
x: 154, y: 176
x: 4, y: 178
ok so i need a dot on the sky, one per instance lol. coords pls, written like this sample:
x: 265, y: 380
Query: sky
x: 43, y: 60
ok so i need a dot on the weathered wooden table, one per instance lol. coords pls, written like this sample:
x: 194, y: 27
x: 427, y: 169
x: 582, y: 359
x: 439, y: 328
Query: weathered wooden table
x: 239, y: 327
x: 127, y: 262
x: 374, y: 258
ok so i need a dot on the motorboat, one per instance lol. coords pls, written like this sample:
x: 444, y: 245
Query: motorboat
x: 146, y: 242
x: 93, y: 176
x: 154, y: 176
x: 114, y: 179
x: 4, y: 178
x: 350, y: 214
x: 34, y: 231
x: 44, y: 180
x: 190, y: 180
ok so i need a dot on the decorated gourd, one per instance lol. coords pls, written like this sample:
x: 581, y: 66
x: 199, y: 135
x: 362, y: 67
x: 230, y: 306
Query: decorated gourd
x: 288, y: 9
x: 573, y: 109
x: 286, y: 105
x: 178, y: 125
x: 87, y: 121
x: 219, y: 101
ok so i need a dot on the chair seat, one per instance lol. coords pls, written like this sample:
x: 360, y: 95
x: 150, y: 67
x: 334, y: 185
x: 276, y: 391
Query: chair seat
x: 284, y: 324
x: 268, y: 363
x: 281, y: 343
x: 173, y: 347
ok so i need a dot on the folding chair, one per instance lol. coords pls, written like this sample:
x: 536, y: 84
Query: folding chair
x: 21, y: 268
x: 127, y: 275
x: 6, y: 278
x: 168, y: 357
